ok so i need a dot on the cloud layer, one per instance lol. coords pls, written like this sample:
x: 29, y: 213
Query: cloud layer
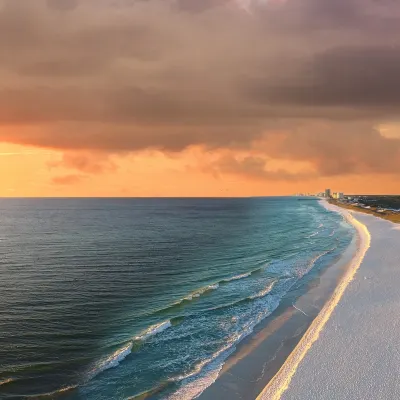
x: 307, y: 80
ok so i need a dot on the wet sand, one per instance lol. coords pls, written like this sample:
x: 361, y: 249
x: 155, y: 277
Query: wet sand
x: 357, y: 355
x: 260, y: 356
x: 278, y: 385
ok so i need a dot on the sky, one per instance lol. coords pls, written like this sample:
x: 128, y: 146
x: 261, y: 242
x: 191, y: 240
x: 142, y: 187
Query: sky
x: 199, y: 97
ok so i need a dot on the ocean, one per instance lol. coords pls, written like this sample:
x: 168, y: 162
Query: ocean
x: 128, y: 298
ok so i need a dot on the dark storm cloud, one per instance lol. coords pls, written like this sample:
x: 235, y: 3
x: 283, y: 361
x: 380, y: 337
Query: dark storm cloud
x: 199, y: 6
x: 63, y: 5
x: 254, y: 166
x: 338, y: 148
x: 351, y: 77
x: 127, y: 75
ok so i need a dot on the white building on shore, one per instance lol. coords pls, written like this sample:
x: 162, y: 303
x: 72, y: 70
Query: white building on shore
x: 338, y: 195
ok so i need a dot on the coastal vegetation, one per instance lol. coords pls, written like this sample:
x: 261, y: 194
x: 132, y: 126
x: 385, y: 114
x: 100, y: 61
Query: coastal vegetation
x: 379, y: 206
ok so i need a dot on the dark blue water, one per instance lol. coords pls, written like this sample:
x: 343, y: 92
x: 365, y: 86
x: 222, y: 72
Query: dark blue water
x: 111, y: 298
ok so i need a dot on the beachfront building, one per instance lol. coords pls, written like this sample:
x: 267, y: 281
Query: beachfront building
x: 338, y: 195
x: 327, y: 193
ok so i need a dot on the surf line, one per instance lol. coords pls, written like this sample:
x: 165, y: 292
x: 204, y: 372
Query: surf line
x: 280, y: 382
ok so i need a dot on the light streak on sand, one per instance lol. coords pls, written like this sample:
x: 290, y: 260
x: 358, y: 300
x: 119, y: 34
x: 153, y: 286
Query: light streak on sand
x: 298, y: 309
x: 280, y: 382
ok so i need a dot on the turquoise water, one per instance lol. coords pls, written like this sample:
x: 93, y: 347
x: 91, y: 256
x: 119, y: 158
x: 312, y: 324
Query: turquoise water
x: 112, y: 298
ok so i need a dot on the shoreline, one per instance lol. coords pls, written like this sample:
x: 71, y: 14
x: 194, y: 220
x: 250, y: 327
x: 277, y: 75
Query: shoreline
x: 356, y: 355
x: 280, y: 383
x: 259, y: 357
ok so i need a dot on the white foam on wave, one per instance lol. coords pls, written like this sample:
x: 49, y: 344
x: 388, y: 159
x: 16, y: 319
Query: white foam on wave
x: 333, y: 232
x: 203, y: 290
x: 312, y: 235
x: 154, y: 330
x: 281, y: 381
x: 111, y: 361
x: 236, y: 278
x: 199, y: 367
x: 194, y: 389
x: 305, y: 269
x: 5, y: 381
x: 320, y: 226
x: 263, y: 292
x: 197, y: 293
x: 207, y: 371
x: 114, y: 359
x: 213, y: 287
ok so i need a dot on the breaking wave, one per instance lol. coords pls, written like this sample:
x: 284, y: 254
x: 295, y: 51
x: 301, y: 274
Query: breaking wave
x: 111, y: 361
x: 264, y: 292
x: 236, y: 278
x: 114, y: 359
x: 153, y: 330
x: 5, y: 381
x: 206, y: 372
x: 312, y: 235
x: 206, y: 289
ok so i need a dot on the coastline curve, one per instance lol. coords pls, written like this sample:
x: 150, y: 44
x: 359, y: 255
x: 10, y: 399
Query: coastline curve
x: 280, y: 382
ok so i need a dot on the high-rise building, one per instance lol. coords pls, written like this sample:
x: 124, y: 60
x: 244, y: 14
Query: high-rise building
x: 327, y: 193
x: 338, y: 195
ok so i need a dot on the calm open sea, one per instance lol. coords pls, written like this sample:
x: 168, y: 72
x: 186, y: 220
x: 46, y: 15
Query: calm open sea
x: 112, y: 298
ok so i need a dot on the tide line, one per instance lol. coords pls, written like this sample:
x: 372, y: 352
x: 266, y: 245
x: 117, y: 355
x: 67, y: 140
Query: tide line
x: 280, y: 382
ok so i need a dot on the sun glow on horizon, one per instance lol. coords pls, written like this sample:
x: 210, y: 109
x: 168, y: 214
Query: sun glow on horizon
x: 34, y: 172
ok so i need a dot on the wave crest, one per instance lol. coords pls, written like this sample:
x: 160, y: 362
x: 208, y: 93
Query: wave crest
x: 264, y: 292
x: 312, y: 235
x: 51, y: 395
x: 112, y: 360
x: 237, y: 277
x: 5, y: 381
x: 153, y: 330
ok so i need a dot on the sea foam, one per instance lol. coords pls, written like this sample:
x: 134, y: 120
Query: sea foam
x: 154, y: 329
x: 264, y: 292
x: 214, y: 286
x: 281, y: 381
x: 312, y: 235
x: 237, y: 277
x: 206, y: 372
x: 112, y: 360
x: 5, y: 381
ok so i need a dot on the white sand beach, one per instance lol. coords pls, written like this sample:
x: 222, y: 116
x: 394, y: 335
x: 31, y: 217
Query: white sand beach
x: 352, y: 349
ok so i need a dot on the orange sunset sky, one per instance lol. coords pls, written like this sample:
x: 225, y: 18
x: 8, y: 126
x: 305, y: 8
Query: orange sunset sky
x: 198, y: 97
